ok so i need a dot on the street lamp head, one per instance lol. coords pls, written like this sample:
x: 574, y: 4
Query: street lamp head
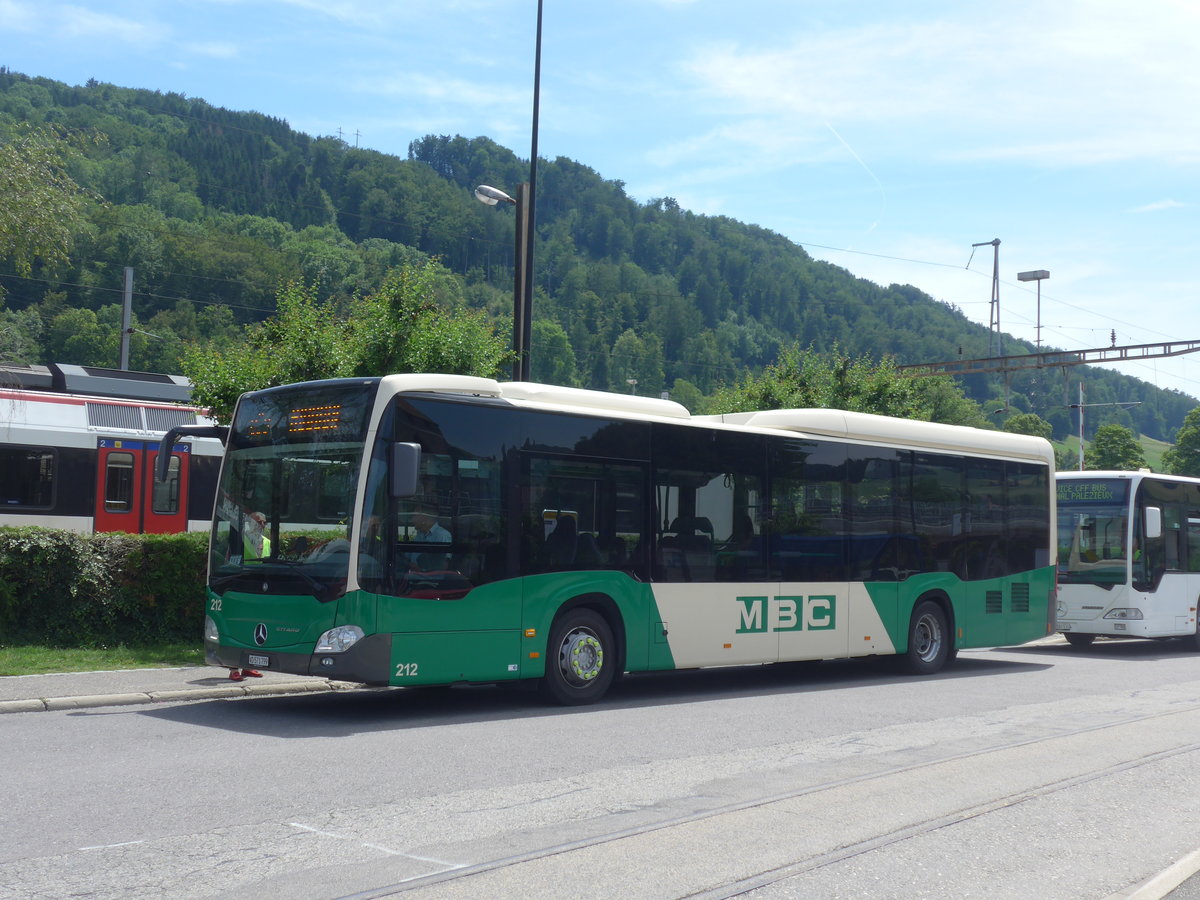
x: 1035, y: 275
x: 485, y: 193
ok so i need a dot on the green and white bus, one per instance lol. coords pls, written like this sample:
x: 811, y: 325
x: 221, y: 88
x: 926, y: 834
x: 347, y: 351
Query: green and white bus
x: 1128, y: 556
x: 580, y: 535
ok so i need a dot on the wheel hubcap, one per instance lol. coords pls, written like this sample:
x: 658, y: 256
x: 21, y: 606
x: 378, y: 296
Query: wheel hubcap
x: 929, y: 638
x: 581, y: 657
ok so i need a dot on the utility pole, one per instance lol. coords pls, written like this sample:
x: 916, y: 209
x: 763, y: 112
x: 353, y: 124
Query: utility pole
x: 995, y: 338
x: 126, y: 318
x: 1124, y: 404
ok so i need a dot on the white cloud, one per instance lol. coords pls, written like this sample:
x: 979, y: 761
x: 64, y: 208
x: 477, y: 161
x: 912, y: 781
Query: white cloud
x: 1159, y: 206
x: 77, y: 22
x: 458, y: 91
x: 1056, y: 84
x: 16, y: 16
x: 215, y: 49
x: 382, y: 14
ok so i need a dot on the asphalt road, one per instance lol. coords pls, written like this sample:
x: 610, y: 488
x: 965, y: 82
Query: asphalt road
x: 1036, y: 772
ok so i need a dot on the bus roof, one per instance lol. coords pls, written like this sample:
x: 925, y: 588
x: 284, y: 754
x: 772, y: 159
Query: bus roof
x: 817, y: 422
x: 909, y: 432
x: 1092, y: 474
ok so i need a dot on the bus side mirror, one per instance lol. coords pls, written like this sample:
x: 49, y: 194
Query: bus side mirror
x: 1153, y: 523
x: 406, y: 469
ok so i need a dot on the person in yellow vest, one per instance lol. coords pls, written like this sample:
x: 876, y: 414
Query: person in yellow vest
x: 255, y: 546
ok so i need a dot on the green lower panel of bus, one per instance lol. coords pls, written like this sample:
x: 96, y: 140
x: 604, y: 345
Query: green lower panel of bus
x: 503, y: 631
x: 455, y: 656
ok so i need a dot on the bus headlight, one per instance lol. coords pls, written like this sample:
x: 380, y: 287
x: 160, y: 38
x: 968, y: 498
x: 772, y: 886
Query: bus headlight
x: 339, y: 640
x: 211, y: 633
x: 1123, y: 614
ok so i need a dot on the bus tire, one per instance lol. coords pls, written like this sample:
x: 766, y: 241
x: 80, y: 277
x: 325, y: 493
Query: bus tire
x: 1079, y: 641
x: 929, y: 639
x: 581, y: 658
x: 1192, y: 641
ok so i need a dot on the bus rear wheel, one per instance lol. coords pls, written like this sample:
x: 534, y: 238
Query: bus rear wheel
x: 1079, y: 641
x: 581, y: 658
x: 929, y: 639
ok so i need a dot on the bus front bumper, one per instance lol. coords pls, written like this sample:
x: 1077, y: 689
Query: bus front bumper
x: 367, y: 662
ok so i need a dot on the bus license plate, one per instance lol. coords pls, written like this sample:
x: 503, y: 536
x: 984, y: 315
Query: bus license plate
x: 261, y: 661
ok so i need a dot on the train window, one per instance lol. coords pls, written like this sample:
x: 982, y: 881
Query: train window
x: 165, y: 498
x: 118, y: 483
x: 26, y: 477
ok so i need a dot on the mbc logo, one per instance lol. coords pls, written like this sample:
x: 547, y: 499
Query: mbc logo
x: 817, y: 612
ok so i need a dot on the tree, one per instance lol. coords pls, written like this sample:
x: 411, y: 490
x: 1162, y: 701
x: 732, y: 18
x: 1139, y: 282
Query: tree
x: 19, y: 334
x: 1184, y: 457
x: 406, y: 326
x: 1114, y: 447
x: 1029, y: 423
x: 553, y: 359
x: 1065, y: 458
x: 41, y: 206
x: 835, y: 381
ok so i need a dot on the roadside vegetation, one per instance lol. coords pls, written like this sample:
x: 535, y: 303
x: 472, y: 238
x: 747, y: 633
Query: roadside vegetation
x: 38, y: 660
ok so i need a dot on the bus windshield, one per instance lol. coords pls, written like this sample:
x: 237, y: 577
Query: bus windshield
x: 1093, y: 531
x: 285, y: 500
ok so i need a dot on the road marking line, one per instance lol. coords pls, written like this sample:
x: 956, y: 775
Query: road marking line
x: 448, y: 866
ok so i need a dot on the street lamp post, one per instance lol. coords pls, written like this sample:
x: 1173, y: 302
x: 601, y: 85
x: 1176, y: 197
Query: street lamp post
x: 525, y: 225
x: 1038, y: 275
x: 522, y: 284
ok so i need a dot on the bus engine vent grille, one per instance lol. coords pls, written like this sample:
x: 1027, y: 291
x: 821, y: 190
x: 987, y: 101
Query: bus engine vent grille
x: 1020, y: 597
x: 993, y: 603
x: 114, y: 415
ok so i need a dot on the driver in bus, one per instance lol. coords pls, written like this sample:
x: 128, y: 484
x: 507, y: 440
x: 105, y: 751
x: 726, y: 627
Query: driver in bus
x: 429, y: 531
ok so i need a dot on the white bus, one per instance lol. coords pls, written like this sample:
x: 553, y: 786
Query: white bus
x: 1128, y: 556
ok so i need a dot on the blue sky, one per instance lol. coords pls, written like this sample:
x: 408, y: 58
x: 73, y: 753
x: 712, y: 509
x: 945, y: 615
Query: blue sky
x: 887, y: 137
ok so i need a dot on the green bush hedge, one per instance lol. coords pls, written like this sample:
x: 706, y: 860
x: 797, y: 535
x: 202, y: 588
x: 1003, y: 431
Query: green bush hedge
x: 63, y: 589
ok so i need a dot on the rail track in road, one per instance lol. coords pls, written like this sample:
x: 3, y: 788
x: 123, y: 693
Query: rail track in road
x: 1146, y: 740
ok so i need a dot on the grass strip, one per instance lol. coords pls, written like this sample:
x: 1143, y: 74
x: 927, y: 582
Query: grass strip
x: 37, y: 660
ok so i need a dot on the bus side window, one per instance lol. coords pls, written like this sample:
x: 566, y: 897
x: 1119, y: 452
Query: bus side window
x: 1193, y: 540
x: 1174, y: 537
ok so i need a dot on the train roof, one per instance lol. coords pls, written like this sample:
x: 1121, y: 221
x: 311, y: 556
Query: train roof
x: 95, y: 381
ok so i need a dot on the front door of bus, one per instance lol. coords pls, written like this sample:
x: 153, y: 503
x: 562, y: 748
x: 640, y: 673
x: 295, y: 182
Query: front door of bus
x: 127, y: 496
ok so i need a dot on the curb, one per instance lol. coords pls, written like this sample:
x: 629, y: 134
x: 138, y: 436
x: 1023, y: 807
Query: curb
x: 51, y: 704
x: 1159, y: 886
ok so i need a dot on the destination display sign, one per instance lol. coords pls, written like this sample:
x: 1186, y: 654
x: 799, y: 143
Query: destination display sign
x: 1099, y: 490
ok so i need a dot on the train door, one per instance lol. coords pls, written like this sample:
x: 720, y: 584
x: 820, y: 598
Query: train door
x: 127, y: 496
x: 164, y: 510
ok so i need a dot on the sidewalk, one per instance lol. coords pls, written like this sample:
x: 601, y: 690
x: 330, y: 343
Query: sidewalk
x: 127, y: 687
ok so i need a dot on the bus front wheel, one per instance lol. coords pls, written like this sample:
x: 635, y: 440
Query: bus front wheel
x: 581, y: 658
x: 929, y: 639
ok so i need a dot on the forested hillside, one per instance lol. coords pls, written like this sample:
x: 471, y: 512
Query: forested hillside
x: 216, y: 209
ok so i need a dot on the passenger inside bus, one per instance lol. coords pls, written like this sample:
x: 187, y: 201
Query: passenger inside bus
x: 561, y: 544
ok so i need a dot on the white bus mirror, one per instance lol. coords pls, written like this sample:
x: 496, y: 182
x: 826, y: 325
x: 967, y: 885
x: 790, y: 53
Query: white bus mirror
x: 1153, y: 523
x: 406, y: 469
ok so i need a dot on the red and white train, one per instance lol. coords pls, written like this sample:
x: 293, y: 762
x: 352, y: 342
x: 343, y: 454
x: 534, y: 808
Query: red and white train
x: 78, y: 446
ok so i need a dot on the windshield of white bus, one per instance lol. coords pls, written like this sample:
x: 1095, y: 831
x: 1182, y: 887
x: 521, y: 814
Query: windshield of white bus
x: 1093, y: 531
x: 286, y: 496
